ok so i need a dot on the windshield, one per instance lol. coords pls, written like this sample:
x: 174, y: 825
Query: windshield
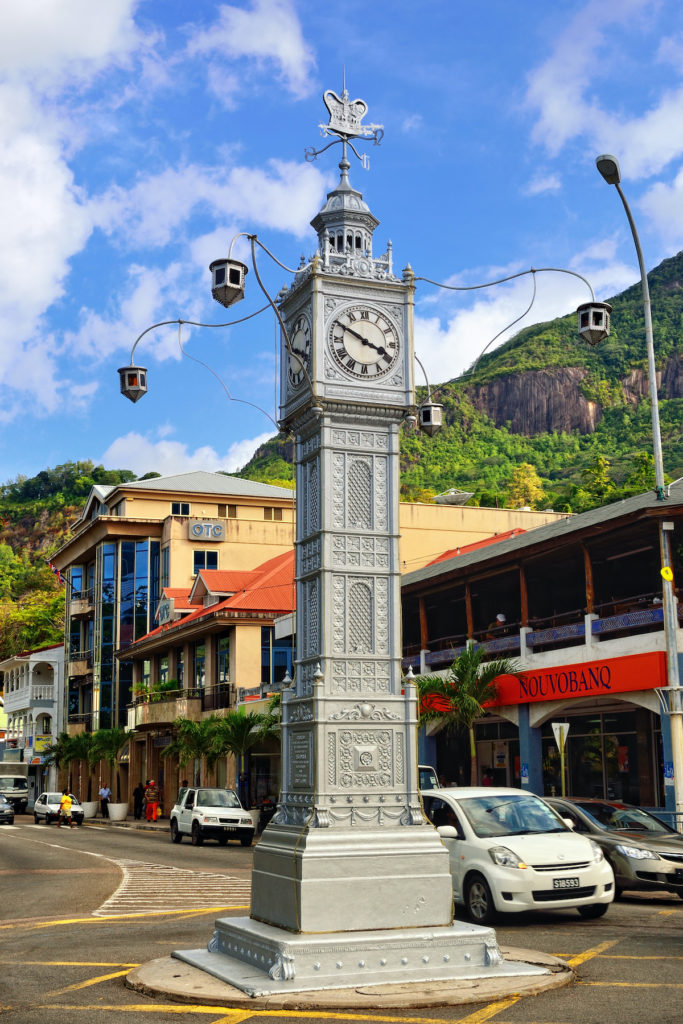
x: 625, y: 819
x: 510, y: 815
x: 217, y: 798
x: 13, y: 783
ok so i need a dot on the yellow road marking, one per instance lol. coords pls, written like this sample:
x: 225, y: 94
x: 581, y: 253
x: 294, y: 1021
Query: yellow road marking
x: 234, y: 1015
x: 116, y: 917
x: 633, y: 984
x: 68, y: 963
x: 489, y: 1011
x: 663, y: 913
x: 624, y: 956
x: 236, y: 1019
x: 581, y: 958
x: 88, y: 983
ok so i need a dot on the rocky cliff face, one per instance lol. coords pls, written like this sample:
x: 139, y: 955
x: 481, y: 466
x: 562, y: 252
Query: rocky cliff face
x: 540, y: 401
x: 544, y: 401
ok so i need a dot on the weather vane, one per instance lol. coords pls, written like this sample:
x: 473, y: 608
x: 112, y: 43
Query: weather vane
x: 345, y: 122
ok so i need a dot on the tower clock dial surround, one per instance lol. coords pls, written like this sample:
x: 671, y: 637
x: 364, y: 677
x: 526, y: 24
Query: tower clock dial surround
x: 299, y: 352
x: 363, y: 341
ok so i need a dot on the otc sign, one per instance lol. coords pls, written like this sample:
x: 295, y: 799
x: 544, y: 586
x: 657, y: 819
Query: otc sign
x: 206, y: 529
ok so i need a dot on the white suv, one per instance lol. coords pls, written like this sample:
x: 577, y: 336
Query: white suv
x: 208, y: 813
x: 509, y: 851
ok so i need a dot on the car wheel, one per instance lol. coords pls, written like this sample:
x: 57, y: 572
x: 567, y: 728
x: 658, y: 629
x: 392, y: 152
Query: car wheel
x: 246, y: 840
x: 197, y: 838
x: 176, y: 834
x: 36, y: 818
x: 479, y: 901
x: 618, y: 893
x: 593, y: 910
x: 223, y: 840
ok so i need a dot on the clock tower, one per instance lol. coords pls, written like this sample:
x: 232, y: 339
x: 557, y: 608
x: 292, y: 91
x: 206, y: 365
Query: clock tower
x: 351, y: 884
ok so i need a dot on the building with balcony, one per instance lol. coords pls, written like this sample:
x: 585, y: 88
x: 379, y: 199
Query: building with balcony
x: 578, y: 605
x: 214, y: 645
x: 33, y: 693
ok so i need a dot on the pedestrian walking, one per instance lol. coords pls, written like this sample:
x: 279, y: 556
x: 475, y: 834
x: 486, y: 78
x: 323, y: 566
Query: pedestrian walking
x: 138, y: 799
x: 105, y: 796
x: 65, y: 809
x: 151, y: 801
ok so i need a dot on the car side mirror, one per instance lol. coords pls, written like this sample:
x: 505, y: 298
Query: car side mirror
x: 447, y: 832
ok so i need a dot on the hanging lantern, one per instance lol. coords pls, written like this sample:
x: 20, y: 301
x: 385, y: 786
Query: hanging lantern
x: 430, y: 417
x: 133, y: 381
x: 594, y: 321
x: 227, y: 281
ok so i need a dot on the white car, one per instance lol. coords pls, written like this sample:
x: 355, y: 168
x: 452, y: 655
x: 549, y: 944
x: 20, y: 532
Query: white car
x: 205, y: 812
x: 509, y: 851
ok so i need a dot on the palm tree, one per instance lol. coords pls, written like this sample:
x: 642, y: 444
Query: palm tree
x: 83, y: 748
x: 108, y: 743
x: 194, y: 741
x: 458, y: 699
x: 61, y: 754
x: 237, y: 732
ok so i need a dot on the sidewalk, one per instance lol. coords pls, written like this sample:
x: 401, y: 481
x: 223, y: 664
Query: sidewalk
x: 161, y: 825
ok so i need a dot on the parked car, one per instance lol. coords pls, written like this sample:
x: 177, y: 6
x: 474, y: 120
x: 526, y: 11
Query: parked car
x: 46, y: 808
x: 645, y: 854
x: 6, y: 811
x: 509, y: 851
x: 204, y: 813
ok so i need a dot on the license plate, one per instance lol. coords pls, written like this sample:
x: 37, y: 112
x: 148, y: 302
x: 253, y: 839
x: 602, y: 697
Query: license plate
x: 566, y: 883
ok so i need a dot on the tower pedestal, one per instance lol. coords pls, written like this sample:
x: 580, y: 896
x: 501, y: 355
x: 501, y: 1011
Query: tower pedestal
x: 261, y: 960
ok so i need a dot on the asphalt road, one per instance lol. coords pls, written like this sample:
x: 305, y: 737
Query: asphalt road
x: 81, y: 907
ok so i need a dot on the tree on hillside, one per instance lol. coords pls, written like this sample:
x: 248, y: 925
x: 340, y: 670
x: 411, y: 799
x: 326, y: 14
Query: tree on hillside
x: 457, y: 699
x: 596, y: 479
x: 524, y: 487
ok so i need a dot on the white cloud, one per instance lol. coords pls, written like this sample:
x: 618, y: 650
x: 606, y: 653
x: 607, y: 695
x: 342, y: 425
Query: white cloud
x: 280, y: 196
x: 268, y: 33
x: 449, y: 342
x: 561, y: 90
x: 412, y: 123
x: 543, y: 183
x: 142, y: 455
x: 663, y: 205
x: 47, y: 40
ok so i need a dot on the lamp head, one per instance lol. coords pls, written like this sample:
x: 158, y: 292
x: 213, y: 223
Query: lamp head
x: 133, y: 381
x: 608, y: 166
x: 430, y: 417
x: 594, y: 321
x: 227, y: 281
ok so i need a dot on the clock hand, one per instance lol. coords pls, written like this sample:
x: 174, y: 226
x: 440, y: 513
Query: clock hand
x: 378, y: 348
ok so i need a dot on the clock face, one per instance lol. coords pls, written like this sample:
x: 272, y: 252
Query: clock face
x: 364, y: 342
x: 299, y: 353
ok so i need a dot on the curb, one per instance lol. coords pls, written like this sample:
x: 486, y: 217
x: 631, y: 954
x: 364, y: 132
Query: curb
x: 181, y: 983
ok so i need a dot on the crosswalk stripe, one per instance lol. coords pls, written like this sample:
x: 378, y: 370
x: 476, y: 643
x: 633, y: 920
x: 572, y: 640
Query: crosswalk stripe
x: 147, y: 886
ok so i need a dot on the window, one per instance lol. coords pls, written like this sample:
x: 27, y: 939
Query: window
x: 199, y: 664
x: 180, y: 508
x: 273, y: 513
x: 205, y: 560
x: 223, y: 659
x: 165, y: 569
x: 227, y: 511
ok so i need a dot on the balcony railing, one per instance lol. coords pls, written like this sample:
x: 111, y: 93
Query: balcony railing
x: 82, y: 603
x: 80, y: 663
x: 568, y: 629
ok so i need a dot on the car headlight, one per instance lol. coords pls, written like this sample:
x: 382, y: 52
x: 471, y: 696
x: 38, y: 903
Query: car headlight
x: 598, y: 855
x: 636, y: 853
x: 246, y: 821
x: 210, y: 819
x: 505, y: 858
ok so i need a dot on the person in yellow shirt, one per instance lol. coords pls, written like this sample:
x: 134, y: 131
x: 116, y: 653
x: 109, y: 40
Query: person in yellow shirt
x: 65, y: 809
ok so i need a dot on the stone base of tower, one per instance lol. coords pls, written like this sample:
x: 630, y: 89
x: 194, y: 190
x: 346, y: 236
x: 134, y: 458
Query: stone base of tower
x: 332, y: 879
x: 261, y: 960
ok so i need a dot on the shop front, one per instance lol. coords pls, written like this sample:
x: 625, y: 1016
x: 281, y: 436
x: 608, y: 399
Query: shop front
x: 617, y: 746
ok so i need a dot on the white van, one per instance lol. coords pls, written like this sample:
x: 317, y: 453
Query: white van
x: 509, y: 851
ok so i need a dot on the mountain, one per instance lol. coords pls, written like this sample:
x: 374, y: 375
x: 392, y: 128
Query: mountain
x: 580, y: 416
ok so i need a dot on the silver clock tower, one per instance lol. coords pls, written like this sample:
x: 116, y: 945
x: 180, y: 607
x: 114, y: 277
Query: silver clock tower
x: 351, y: 884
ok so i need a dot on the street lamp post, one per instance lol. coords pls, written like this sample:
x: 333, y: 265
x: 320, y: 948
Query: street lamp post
x: 608, y: 166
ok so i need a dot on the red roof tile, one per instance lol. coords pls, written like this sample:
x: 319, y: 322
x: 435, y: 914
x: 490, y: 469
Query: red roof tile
x: 466, y: 548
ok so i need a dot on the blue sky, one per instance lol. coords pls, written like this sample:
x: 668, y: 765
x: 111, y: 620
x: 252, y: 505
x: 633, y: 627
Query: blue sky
x: 139, y: 136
